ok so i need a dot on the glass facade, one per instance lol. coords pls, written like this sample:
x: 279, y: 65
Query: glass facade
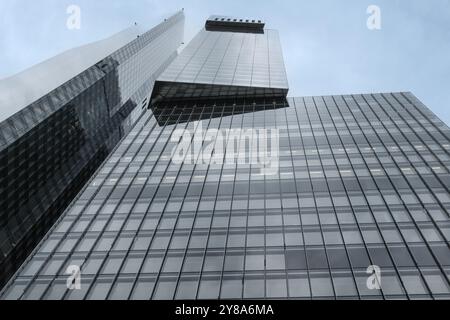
x: 222, y: 64
x: 363, y: 180
x: 50, y: 149
x: 361, y: 183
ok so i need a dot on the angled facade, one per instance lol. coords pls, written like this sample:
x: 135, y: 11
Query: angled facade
x: 241, y: 60
x: 361, y: 184
x: 51, y: 147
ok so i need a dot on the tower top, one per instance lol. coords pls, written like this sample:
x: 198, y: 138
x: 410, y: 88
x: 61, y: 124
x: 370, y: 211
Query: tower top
x: 234, y: 24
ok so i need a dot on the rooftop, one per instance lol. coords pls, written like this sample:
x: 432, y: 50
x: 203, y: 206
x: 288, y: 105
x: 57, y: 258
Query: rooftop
x: 234, y: 24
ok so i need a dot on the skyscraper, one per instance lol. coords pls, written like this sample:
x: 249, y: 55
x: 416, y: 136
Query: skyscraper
x: 355, y: 204
x: 61, y: 119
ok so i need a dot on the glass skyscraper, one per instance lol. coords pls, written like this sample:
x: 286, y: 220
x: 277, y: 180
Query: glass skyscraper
x: 52, y: 146
x: 361, y: 184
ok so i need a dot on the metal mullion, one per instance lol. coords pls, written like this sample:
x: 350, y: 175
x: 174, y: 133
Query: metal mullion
x: 265, y: 195
x: 209, y: 55
x: 147, y: 213
x: 283, y: 226
x: 318, y: 218
x: 298, y: 203
x: 195, y: 216
x: 193, y: 54
x: 390, y: 180
x: 231, y: 203
x: 428, y: 118
x: 123, y: 225
x: 433, y: 173
x: 315, y: 201
x: 379, y: 190
x: 78, y: 219
x: 173, y: 231
x: 294, y: 102
x: 362, y: 190
x: 213, y: 213
x: 334, y: 208
x: 412, y: 219
x: 143, y: 219
x: 422, y: 204
x: 95, y: 216
x: 237, y: 60
x: 223, y: 57
x: 253, y: 63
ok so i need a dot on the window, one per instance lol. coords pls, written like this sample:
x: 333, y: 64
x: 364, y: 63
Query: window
x: 192, y: 263
x: 275, y: 262
x: 276, y: 288
x: 209, y: 289
x: 165, y: 290
x: 143, y: 290
x: 274, y: 239
x: 313, y: 238
x: 338, y: 258
x: 298, y: 286
x: 255, y: 240
x: 99, y: 291
x: 254, y: 288
x: 187, y: 289
x: 295, y: 259
x: 234, y: 262
x: 344, y: 286
x: 231, y: 288
x: 112, y: 266
x: 254, y: 262
x: 316, y: 259
x: 437, y: 284
x: 132, y: 265
x: 173, y: 264
x: 321, y: 286
x: 352, y: 237
x: 391, y: 285
x: 414, y: 284
x: 152, y: 264
x: 401, y: 256
x: 35, y: 291
x: 121, y: 290
x: 213, y: 263
x: 159, y: 242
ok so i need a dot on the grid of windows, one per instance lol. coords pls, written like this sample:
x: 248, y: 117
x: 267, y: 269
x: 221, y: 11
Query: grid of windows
x: 363, y: 180
x: 218, y: 64
x: 51, y: 148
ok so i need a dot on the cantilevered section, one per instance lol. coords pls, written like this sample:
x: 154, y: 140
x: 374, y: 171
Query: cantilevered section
x: 231, y: 24
x: 221, y: 63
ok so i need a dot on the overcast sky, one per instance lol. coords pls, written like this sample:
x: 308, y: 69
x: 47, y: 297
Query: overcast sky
x: 327, y: 46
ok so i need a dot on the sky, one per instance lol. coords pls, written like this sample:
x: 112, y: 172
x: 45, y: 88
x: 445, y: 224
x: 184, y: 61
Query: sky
x: 327, y: 46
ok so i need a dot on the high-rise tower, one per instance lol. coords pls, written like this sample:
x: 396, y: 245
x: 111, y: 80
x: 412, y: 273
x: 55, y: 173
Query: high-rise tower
x: 62, y: 118
x: 358, y: 184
